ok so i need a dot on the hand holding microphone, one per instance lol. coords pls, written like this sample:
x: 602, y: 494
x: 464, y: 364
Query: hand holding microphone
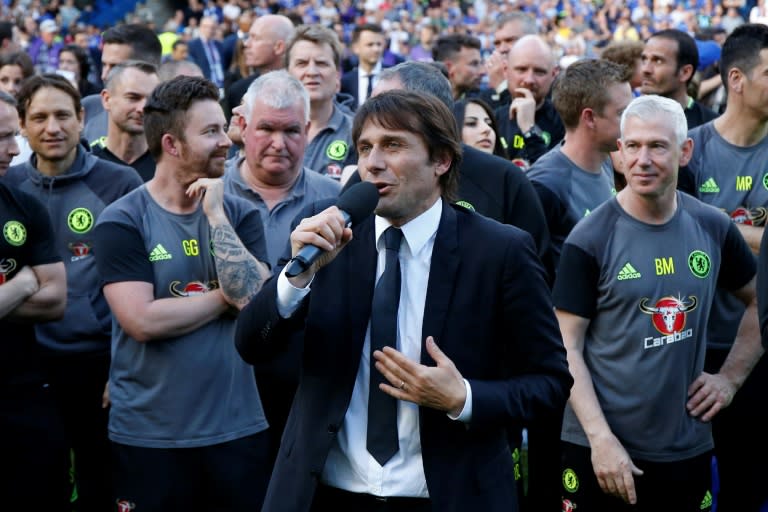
x: 317, y: 240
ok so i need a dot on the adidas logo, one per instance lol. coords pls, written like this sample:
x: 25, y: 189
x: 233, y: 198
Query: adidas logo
x: 159, y: 253
x: 628, y: 272
x: 707, y: 501
x: 709, y: 187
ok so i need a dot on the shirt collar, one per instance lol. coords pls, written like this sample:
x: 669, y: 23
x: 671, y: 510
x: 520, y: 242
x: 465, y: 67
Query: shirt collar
x: 376, y: 70
x: 417, y: 231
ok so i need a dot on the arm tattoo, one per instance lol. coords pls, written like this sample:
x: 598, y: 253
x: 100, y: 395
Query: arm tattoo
x: 240, y: 274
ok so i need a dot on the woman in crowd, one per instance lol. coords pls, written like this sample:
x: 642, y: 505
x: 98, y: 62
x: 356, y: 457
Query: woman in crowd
x: 477, y: 125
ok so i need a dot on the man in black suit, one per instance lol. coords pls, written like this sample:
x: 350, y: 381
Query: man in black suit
x: 458, y: 367
x: 491, y: 186
x: 368, y: 45
x: 208, y: 52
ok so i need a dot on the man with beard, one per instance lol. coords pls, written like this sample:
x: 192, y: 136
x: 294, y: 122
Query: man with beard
x: 461, y: 55
x: 529, y: 124
x: 668, y: 62
x: 179, y: 258
x: 128, y: 86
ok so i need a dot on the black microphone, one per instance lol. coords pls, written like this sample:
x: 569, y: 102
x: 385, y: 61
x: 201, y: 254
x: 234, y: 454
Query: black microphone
x: 356, y: 203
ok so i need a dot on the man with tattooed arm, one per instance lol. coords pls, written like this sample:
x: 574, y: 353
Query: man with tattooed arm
x: 179, y: 259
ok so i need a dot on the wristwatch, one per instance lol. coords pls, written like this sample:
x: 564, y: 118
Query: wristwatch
x: 534, y: 130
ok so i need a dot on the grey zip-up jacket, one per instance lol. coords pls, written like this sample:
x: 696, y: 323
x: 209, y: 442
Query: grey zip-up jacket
x: 74, y: 200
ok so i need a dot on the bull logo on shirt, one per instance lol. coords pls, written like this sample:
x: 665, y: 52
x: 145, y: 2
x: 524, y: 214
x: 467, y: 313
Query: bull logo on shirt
x: 125, y: 506
x: 193, y: 288
x: 668, y: 316
x: 6, y: 267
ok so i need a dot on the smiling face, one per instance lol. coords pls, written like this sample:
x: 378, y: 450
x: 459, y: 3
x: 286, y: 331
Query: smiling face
x: 51, y: 125
x: 203, y: 150
x: 652, y: 156
x: 477, y: 130
x: 398, y: 163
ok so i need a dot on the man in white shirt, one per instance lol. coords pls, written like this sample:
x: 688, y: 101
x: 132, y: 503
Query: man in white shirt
x: 426, y: 428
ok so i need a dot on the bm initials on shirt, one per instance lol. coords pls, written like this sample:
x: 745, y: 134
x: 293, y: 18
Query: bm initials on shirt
x: 664, y: 266
x: 744, y: 183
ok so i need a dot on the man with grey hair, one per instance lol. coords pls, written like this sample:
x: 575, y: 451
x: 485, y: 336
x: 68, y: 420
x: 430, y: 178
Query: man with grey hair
x: 633, y: 293
x: 274, y: 121
x: 273, y: 124
x: 207, y: 52
x: 127, y: 88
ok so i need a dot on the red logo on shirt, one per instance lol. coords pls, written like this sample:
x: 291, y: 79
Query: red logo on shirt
x: 192, y: 288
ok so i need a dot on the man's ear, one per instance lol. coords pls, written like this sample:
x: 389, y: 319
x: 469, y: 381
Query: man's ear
x: 685, y: 73
x: 168, y: 144
x: 105, y: 99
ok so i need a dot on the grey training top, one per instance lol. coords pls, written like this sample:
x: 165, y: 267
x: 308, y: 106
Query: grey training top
x: 308, y: 188
x: 568, y: 193
x: 647, y: 291
x: 191, y: 390
x: 331, y: 149
x: 734, y: 179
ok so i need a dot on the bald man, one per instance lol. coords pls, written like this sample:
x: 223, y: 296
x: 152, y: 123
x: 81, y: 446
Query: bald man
x: 529, y: 124
x: 264, y: 52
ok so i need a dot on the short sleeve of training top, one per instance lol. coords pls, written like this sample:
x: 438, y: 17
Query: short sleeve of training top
x: 647, y: 290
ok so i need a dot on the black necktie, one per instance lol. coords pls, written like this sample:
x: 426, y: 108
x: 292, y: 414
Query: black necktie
x: 370, y: 86
x: 382, y: 441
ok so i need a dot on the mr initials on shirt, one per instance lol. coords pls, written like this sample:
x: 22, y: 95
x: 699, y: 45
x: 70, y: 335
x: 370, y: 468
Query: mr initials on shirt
x: 743, y: 183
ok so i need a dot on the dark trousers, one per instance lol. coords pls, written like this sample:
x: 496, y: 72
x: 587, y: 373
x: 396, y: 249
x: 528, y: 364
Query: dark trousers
x: 77, y: 384
x: 230, y: 476
x: 329, y: 499
x: 681, y: 486
x: 741, y: 447
x: 35, y: 454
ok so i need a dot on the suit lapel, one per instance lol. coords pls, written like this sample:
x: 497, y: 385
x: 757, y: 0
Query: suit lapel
x: 361, y: 277
x: 442, y: 279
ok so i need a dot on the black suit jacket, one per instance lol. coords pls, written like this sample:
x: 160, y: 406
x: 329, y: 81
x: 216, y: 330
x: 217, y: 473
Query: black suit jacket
x: 198, y: 56
x: 350, y: 83
x: 490, y: 311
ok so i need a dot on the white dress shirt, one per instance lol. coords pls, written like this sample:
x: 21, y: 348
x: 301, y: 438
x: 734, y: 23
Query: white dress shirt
x: 362, y: 81
x: 349, y: 465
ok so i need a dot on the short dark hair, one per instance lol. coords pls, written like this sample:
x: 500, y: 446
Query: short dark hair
x: 119, y: 69
x: 421, y: 77
x: 31, y: 85
x: 742, y: 49
x: 167, y: 106
x: 584, y: 84
x: 21, y: 59
x: 142, y: 39
x: 687, y: 51
x: 423, y: 115
x: 447, y: 46
x: 179, y: 42
x: 365, y: 27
